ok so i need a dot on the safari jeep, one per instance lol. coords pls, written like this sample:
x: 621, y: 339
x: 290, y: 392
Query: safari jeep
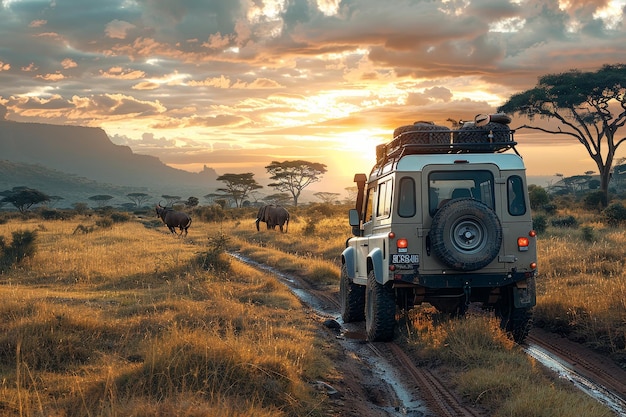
x: 443, y: 218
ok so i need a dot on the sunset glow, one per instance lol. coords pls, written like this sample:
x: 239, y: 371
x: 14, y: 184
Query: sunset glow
x: 235, y: 84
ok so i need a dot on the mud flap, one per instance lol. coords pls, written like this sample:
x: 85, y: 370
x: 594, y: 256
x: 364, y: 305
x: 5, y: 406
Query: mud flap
x: 524, y: 295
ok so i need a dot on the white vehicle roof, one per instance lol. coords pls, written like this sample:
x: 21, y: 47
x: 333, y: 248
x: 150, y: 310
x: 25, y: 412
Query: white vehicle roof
x: 504, y: 161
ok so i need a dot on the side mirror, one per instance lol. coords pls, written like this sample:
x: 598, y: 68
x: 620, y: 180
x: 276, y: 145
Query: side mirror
x: 353, y: 216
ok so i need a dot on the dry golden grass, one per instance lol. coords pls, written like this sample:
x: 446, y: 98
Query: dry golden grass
x: 582, y: 287
x: 123, y: 321
x: 490, y: 370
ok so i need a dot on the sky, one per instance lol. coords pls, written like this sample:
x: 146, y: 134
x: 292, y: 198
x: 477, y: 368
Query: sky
x: 237, y: 84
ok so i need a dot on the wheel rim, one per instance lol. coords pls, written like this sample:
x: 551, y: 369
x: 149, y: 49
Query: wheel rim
x: 468, y: 236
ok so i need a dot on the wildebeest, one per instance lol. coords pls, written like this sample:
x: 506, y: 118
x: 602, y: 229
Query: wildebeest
x: 174, y: 219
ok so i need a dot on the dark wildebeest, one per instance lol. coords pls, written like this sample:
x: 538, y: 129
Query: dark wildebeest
x: 174, y: 219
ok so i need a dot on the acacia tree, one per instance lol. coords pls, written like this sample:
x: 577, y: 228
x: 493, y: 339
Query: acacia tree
x: 238, y: 186
x: 327, y: 197
x: 138, y: 198
x: 588, y: 106
x: 294, y: 176
x: 101, y: 199
x: 23, y: 197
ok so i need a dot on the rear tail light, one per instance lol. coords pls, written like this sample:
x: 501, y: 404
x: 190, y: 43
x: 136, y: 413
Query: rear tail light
x: 402, y: 244
x: 522, y: 243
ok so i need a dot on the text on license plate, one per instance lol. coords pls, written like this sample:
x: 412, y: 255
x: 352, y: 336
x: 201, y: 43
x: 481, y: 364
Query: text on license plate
x: 405, y: 258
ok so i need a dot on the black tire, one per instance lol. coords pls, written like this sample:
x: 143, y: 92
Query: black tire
x: 380, y: 310
x: 517, y: 322
x: 351, y: 298
x: 423, y: 133
x: 471, y: 133
x: 466, y: 234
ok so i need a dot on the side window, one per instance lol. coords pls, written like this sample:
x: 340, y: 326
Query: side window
x: 515, y: 196
x: 406, y: 197
x: 383, y: 208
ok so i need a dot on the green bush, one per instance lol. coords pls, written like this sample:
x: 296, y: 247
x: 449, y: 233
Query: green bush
x: 538, y: 196
x: 549, y: 208
x: 615, y: 214
x: 540, y: 223
x: 120, y: 217
x: 567, y: 221
x: 588, y: 234
x: 595, y: 200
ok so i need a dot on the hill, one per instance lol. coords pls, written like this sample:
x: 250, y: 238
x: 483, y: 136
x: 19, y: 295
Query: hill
x: 90, y: 160
x: 71, y: 188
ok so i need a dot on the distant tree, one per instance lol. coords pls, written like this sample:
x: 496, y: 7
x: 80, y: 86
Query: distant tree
x: 352, y: 193
x: 23, y: 198
x: 101, y: 199
x: 80, y: 208
x: 170, y: 199
x: 588, y: 106
x: 238, y: 186
x: 577, y: 183
x: 138, y: 198
x: 211, y: 197
x: 327, y: 197
x: 294, y: 176
x: 192, y: 202
x: 279, y: 199
x: 128, y: 206
x: 54, y: 199
x: 538, y: 196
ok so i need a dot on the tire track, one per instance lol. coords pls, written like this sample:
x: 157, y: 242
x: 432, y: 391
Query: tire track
x: 438, y: 398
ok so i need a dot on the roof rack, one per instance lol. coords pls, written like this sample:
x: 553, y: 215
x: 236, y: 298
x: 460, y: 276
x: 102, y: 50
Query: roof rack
x: 446, y: 141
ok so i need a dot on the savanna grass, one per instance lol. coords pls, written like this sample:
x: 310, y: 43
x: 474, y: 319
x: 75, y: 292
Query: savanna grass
x: 491, y: 371
x: 582, y: 288
x: 125, y: 320
x: 489, y: 368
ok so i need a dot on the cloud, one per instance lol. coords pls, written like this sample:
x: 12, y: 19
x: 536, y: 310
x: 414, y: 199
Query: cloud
x: 118, y: 29
x: 294, y: 77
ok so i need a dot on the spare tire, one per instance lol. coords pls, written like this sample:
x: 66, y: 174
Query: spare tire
x: 422, y: 133
x: 466, y: 234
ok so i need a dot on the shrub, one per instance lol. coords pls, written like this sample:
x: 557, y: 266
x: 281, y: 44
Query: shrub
x: 538, y: 196
x: 540, y: 223
x: 567, y: 221
x: 120, y: 217
x: 615, y: 214
x: 216, y: 259
x: 52, y: 214
x: 22, y: 246
x: 309, y: 228
x: 209, y: 213
x: 549, y: 208
x: 105, y: 222
x: 588, y: 234
x: 595, y: 200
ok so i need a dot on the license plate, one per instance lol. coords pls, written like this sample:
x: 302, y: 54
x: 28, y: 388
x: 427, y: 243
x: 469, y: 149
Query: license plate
x: 405, y: 258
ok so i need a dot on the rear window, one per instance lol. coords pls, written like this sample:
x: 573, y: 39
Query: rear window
x: 444, y: 186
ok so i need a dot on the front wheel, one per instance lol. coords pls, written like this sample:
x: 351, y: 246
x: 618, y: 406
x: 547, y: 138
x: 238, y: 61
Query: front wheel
x: 380, y: 310
x: 352, y: 298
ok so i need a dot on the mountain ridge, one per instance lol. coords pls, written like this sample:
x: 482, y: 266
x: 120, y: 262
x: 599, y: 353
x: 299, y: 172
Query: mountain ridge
x: 88, y: 153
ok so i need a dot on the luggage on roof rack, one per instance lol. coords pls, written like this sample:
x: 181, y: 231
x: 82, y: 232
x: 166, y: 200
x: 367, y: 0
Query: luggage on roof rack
x: 487, y: 134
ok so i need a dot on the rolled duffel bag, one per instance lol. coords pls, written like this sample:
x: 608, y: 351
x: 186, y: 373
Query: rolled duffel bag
x: 421, y: 132
x: 471, y: 133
